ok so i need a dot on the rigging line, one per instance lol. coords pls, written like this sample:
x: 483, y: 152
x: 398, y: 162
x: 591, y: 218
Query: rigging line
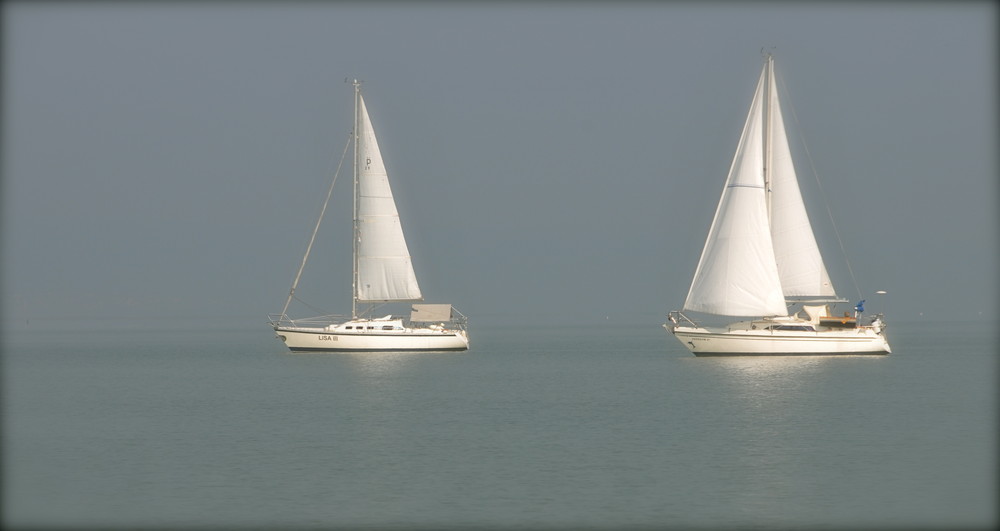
x: 370, y: 310
x: 320, y: 311
x: 822, y: 193
x: 329, y: 192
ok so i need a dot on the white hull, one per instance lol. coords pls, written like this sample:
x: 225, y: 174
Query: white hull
x: 410, y: 339
x: 703, y: 342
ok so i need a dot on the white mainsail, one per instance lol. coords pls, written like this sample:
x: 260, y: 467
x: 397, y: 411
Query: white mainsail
x: 761, y: 248
x: 384, y: 269
x: 800, y: 265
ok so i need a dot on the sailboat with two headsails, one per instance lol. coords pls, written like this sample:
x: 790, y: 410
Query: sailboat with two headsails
x: 382, y: 272
x: 761, y: 258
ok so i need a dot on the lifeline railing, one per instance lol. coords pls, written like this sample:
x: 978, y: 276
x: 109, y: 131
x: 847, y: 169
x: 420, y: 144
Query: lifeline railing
x: 676, y: 316
x: 283, y: 320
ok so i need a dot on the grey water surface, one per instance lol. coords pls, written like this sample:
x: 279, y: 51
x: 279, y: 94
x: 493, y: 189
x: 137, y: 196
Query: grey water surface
x: 590, y: 426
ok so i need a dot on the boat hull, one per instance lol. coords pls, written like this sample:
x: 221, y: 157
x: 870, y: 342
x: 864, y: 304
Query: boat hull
x: 322, y: 340
x: 858, y: 341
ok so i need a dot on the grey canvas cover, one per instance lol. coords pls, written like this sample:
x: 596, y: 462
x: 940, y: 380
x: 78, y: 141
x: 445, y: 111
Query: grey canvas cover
x: 425, y: 313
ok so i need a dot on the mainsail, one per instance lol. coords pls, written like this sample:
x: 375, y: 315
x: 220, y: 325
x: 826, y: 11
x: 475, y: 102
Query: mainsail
x: 761, y: 247
x: 800, y: 265
x: 384, y: 269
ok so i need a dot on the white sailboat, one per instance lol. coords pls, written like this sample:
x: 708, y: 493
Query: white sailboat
x: 382, y: 273
x: 761, y: 259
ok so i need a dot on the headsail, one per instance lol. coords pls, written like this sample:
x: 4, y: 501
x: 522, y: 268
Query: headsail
x: 385, y: 272
x: 737, y: 274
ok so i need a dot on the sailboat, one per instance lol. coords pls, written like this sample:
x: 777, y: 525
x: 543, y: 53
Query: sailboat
x: 382, y: 272
x: 761, y: 259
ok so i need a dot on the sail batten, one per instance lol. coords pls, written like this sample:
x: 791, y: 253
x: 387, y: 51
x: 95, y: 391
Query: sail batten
x: 384, y: 269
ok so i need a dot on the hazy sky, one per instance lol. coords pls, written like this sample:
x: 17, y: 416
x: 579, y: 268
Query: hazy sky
x: 559, y: 162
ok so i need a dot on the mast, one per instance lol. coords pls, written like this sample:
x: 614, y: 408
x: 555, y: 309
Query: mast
x: 768, y: 116
x: 354, y: 232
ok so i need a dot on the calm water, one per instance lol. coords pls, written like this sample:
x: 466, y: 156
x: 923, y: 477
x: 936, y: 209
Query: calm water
x: 564, y: 427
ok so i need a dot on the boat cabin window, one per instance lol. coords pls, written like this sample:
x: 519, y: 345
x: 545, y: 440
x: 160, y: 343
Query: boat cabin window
x: 800, y: 328
x: 387, y: 327
x: 350, y: 327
